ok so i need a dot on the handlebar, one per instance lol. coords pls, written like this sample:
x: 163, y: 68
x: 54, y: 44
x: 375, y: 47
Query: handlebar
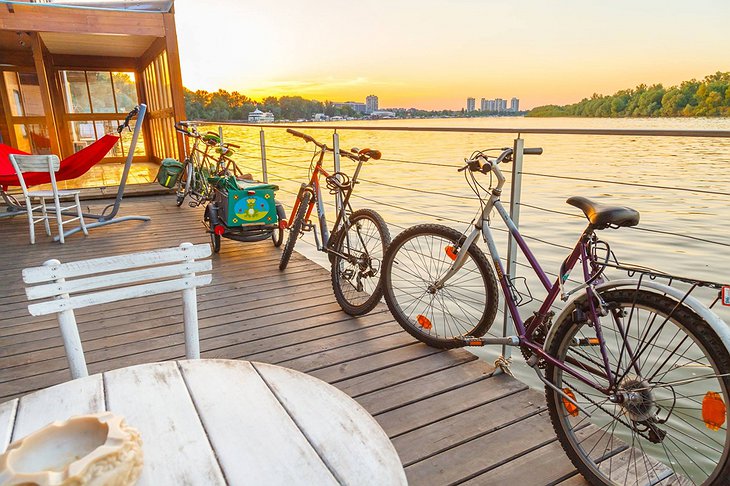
x: 125, y: 123
x: 304, y: 136
x: 482, y: 163
x: 355, y: 154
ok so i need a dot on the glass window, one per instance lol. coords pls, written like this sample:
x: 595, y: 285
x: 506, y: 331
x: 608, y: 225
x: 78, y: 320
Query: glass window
x: 82, y: 134
x: 75, y: 91
x: 126, y: 139
x: 31, y: 94
x: 13, y: 87
x: 125, y: 90
x: 102, y: 95
x: 33, y: 138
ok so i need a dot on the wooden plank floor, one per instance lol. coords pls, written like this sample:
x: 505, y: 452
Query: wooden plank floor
x: 451, y: 419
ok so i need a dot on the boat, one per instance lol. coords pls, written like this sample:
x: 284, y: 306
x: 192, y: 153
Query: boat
x: 258, y: 116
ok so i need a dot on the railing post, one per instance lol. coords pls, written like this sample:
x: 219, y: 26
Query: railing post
x: 514, y: 213
x: 336, y: 149
x: 263, y: 157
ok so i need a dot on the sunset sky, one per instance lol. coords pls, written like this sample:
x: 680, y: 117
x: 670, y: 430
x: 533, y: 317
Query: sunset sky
x: 433, y: 54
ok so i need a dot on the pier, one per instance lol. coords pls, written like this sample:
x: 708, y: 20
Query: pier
x: 451, y: 418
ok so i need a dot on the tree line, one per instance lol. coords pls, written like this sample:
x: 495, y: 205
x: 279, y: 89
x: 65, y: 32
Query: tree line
x: 708, y: 97
x: 222, y: 105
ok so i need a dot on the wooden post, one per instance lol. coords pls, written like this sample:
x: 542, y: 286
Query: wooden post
x: 40, y: 67
x: 176, y: 84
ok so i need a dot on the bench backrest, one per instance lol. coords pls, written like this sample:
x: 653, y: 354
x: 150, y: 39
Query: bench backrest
x: 102, y: 280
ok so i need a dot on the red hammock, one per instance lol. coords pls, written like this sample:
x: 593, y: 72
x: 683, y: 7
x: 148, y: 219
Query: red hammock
x: 72, y: 167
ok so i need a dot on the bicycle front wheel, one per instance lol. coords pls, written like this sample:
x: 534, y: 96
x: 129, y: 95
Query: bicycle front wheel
x: 356, y: 264
x: 439, y: 315
x: 664, y: 419
x: 295, y: 230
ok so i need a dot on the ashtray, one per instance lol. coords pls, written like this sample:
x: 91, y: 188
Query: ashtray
x: 94, y: 450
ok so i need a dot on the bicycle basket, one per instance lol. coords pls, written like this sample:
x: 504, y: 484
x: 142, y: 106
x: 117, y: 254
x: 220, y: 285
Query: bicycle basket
x: 170, y: 170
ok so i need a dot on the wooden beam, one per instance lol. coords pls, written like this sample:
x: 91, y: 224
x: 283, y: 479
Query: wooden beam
x: 142, y: 97
x: 44, y: 18
x: 68, y: 61
x: 16, y: 58
x: 42, y: 73
x: 151, y: 53
x: 176, y: 84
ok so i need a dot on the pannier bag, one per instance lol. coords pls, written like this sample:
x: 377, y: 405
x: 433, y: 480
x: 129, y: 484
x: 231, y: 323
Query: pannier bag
x: 170, y: 170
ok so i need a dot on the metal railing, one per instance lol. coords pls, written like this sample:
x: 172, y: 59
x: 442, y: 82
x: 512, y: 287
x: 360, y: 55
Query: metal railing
x: 517, y: 173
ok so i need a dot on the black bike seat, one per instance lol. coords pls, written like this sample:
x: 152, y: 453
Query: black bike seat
x: 601, y: 216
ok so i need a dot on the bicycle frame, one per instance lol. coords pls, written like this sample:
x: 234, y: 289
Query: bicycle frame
x: 554, y: 289
x: 315, y: 188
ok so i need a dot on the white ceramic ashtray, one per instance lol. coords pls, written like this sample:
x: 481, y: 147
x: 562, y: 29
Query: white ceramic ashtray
x: 89, y: 450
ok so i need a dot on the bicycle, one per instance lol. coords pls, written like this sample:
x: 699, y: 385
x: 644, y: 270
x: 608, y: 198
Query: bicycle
x: 358, y: 240
x: 636, y: 373
x: 200, y: 164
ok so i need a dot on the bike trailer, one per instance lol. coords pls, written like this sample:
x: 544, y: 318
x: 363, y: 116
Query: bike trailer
x: 170, y: 170
x: 242, y: 203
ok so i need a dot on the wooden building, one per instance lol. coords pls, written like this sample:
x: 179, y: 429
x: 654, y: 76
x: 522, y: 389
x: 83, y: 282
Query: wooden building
x: 69, y: 73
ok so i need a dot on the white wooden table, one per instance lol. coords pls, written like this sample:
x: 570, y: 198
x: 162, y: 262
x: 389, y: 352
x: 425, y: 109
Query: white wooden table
x: 214, y: 422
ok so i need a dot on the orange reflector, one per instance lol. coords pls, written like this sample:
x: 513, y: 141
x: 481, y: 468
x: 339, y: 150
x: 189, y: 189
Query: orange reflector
x: 593, y: 341
x: 713, y: 410
x: 451, y: 252
x: 423, y: 321
x: 569, y: 407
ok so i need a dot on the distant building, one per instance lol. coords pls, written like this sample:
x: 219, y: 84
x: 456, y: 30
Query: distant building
x: 500, y: 105
x: 470, y: 104
x: 258, y: 116
x: 382, y: 114
x: 355, y: 105
x: 483, y: 104
x: 514, y: 105
x: 371, y: 104
x: 320, y: 117
x: 491, y: 105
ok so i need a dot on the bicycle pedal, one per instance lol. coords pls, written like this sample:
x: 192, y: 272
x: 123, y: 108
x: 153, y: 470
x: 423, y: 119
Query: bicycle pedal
x: 472, y: 341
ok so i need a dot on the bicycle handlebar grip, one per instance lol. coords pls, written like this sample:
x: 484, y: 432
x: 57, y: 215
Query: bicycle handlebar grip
x: 532, y: 151
x: 180, y: 128
x: 373, y: 154
x: 300, y: 135
x: 232, y: 145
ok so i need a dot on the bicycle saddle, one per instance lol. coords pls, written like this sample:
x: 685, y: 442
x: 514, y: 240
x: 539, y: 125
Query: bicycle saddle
x: 602, y: 216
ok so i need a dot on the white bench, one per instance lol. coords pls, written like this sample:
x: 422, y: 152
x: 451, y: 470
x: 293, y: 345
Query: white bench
x: 102, y: 280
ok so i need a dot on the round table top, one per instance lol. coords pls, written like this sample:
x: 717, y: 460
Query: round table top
x: 224, y: 422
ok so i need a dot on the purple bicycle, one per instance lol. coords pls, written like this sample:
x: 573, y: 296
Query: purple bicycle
x: 636, y: 373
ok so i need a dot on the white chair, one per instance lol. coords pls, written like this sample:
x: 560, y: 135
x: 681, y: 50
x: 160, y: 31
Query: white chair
x: 169, y: 270
x: 45, y: 163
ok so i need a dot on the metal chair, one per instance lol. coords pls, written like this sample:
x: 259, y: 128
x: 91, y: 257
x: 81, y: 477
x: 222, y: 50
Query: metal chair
x: 50, y: 164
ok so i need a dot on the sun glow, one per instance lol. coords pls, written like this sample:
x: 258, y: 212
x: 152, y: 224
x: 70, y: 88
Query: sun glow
x: 433, y: 54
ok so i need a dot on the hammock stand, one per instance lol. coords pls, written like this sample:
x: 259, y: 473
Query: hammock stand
x: 75, y: 166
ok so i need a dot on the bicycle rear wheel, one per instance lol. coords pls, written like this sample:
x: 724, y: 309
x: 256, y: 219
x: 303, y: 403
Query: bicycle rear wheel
x: 667, y: 422
x: 356, y: 275
x: 439, y: 316
x: 295, y: 230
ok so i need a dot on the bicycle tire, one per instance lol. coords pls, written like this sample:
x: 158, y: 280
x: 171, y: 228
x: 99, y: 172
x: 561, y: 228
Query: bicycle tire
x: 614, y: 447
x: 474, y: 300
x: 277, y: 236
x: 295, y: 230
x: 368, y: 245
x: 184, y: 183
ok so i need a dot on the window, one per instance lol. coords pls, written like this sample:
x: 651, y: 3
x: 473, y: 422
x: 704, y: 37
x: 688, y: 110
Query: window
x: 99, y: 91
x: 95, y: 104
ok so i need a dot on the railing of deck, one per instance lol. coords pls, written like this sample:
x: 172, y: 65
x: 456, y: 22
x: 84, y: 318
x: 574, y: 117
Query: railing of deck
x: 271, y: 169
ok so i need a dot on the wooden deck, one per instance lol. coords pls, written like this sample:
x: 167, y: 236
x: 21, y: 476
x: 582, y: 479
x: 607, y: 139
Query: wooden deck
x: 451, y: 419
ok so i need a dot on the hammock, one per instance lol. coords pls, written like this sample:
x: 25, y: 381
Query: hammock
x: 72, y: 167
